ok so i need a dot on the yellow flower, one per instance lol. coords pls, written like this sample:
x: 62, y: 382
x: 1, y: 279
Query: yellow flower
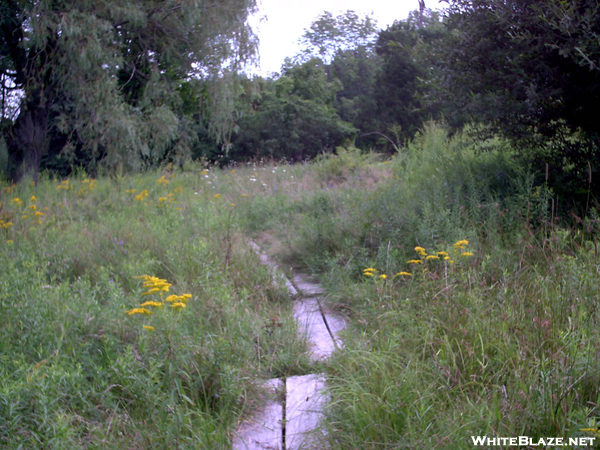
x: 466, y: 254
x: 138, y: 311
x: 594, y: 431
x: 368, y: 274
x: 370, y: 269
x: 404, y: 274
x: 151, y: 291
x: 178, y: 305
x: 33, y: 199
x: 64, y: 185
x: 444, y: 254
x: 152, y: 303
x: 39, y: 213
x: 432, y: 257
x: 414, y: 261
x: 180, y: 298
x: 162, y: 180
x: 17, y: 201
x: 149, y: 327
x: 244, y: 195
x: 142, y: 195
x: 420, y: 250
x: 384, y: 276
x: 216, y: 195
x: 461, y: 244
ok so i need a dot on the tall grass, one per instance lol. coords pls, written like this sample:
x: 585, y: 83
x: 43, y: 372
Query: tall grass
x: 498, y: 338
x: 76, y: 371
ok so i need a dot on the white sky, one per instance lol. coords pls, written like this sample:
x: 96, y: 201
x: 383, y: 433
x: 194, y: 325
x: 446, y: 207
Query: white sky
x: 280, y: 23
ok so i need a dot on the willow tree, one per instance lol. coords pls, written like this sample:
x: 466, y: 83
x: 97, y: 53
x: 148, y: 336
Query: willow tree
x: 107, y: 79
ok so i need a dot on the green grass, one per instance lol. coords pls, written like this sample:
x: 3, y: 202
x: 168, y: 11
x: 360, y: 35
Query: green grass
x: 76, y: 371
x: 503, y: 342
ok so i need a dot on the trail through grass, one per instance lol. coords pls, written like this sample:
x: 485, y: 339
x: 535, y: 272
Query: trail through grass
x: 472, y: 311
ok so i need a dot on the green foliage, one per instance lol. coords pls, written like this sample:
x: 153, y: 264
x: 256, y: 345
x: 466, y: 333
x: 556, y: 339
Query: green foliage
x: 294, y: 117
x: 329, y: 35
x: 502, y: 335
x: 76, y: 371
x: 524, y: 67
x: 101, y: 81
x: 402, y: 80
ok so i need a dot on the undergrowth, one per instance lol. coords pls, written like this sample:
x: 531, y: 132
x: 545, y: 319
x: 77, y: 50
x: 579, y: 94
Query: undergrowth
x: 472, y: 310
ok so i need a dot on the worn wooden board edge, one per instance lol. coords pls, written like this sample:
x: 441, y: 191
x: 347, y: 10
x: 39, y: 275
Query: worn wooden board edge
x: 305, y: 400
x: 264, y: 429
x: 276, y: 272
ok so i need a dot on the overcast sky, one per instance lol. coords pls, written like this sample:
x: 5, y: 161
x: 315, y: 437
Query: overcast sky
x: 280, y: 23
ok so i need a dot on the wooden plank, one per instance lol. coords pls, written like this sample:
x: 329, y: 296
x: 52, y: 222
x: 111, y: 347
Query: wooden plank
x: 336, y: 323
x: 305, y: 399
x: 263, y: 431
x: 306, y: 286
x: 310, y: 321
x: 277, y: 274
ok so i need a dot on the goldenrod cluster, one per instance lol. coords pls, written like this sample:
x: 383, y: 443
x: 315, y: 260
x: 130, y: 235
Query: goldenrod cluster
x: 374, y: 273
x: 158, y: 287
x: 162, y: 180
x: 142, y: 195
x: 87, y: 185
x: 423, y: 258
x: 162, y: 201
x: 5, y: 225
x: 65, y: 185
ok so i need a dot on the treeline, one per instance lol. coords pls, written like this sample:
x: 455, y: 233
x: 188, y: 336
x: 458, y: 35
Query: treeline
x: 137, y: 84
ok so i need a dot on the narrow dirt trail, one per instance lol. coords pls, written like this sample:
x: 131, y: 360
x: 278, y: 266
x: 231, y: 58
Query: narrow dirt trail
x: 294, y: 408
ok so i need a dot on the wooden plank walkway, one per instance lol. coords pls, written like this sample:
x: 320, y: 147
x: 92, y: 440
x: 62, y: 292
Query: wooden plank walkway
x: 292, y: 415
x: 264, y: 430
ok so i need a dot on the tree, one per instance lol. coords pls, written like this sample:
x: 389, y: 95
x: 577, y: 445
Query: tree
x: 346, y: 43
x: 403, y: 49
x: 294, y: 117
x: 524, y: 65
x: 103, y: 79
x: 530, y: 69
x: 329, y: 35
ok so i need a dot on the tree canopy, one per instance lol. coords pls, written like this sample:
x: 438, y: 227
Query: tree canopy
x: 103, y: 80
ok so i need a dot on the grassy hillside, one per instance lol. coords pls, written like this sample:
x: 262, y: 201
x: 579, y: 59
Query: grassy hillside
x: 472, y: 312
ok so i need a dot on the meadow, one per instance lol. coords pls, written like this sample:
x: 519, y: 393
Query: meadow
x: 134, y: 314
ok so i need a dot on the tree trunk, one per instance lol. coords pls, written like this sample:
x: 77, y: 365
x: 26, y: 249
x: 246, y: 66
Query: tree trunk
x: 30, y: 140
